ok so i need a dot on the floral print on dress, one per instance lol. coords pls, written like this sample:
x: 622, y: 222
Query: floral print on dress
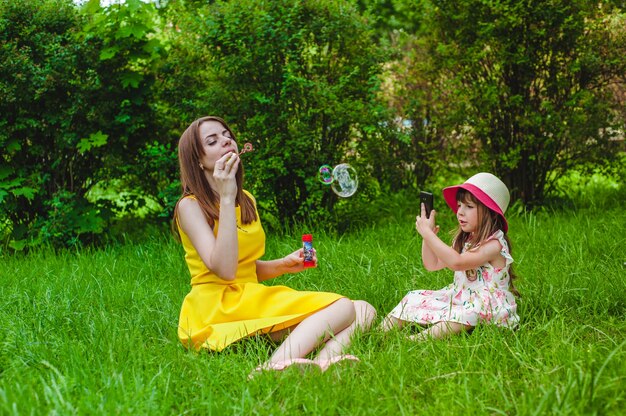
x: 483, y: 298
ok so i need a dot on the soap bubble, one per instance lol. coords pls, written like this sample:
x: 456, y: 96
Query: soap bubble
x: 325, y: 175
x: 344, y: 180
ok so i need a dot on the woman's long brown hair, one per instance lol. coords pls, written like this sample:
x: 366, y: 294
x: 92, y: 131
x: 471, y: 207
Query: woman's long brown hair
x: 193, y: 182
x: 488, y: 223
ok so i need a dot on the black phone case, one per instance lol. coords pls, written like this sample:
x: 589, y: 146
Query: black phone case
x: 427, y: 199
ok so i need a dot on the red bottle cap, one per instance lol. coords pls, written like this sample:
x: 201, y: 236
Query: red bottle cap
x: 307, y: 237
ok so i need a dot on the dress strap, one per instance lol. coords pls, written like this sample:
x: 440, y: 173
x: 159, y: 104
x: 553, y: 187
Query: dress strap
x: 499, y: 235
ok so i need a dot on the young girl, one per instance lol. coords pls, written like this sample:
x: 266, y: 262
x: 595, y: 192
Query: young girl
x: 480, y: 256
x: 221, y: 232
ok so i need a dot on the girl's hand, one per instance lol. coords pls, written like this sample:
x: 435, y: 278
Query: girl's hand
x: 224, y: 174
x: 424, y: 225
x: 294, y: 262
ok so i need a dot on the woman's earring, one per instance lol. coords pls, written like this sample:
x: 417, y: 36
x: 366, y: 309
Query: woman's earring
x: 201, y: 166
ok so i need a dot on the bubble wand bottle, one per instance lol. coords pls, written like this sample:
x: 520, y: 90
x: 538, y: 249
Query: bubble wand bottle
x: 307, y: 246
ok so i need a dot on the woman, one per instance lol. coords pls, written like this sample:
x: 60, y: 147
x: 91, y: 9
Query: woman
x: 221, y: 233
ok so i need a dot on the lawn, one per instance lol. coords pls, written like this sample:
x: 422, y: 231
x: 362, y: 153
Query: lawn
x: 94, y: 331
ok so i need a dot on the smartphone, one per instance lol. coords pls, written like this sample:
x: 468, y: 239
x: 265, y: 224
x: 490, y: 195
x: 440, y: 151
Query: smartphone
x: 426, y: 198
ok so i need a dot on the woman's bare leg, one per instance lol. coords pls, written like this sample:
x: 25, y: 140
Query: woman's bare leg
x: 315, y: 329
x: 365, y: 315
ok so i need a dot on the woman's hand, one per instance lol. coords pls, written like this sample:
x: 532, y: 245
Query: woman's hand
x: 424, y: 225
x: 294, y: 262
x: 224, y: 174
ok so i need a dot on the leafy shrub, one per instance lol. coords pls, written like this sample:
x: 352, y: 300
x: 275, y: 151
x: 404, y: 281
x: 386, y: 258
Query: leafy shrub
x: 531, y: 84
x: 75, y: 113
x: 297, y: 79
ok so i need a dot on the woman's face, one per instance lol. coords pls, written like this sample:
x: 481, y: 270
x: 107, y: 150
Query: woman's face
x: 216, y: 141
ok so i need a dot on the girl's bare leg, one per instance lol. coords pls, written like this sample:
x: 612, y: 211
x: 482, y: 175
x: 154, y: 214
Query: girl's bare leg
x: 365, y: 315
x: 391, y: 322
x: 440, y: 330
x: 315, y: 329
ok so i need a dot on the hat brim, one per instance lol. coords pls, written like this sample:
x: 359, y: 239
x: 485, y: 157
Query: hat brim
x: 449, y: 195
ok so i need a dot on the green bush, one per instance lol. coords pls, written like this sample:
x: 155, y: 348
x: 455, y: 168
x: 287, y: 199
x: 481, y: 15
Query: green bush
x: 530, y: 81
x: 297, y: 79
x: 93, y: 100
x: 75, y: 113
x: 42, y: 112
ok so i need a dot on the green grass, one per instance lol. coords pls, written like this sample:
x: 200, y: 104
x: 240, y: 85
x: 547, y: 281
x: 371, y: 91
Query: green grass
x: 94, y: 331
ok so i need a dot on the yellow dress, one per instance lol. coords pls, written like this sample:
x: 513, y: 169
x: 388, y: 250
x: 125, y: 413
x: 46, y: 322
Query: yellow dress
x: 217, y: 312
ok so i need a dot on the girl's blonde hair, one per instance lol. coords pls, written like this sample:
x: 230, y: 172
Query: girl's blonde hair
x: 193, y: 182
x: 488, y: 223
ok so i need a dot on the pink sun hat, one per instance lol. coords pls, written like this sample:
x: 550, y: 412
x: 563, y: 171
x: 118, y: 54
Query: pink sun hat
x: 485, y: 187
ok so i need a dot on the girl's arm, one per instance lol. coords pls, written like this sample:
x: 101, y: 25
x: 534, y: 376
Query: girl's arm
x: 220, y: 254
x: 487, y: 252
x: 292, y: 263
x: 429, y: 258
x: 436, y: 254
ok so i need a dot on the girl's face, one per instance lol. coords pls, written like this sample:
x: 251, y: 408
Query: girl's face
x: 216, y: 141
x: 467, y: 215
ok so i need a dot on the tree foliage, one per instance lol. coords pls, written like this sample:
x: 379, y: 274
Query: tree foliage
x: 414, y: 145
x: 531, y: 83
x: 298, y: 80
x: 43, y: 111
x: 93, y: 100
x: 75, y: 112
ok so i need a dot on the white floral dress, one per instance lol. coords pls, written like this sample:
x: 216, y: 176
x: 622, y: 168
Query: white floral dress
x: 485, y: 299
